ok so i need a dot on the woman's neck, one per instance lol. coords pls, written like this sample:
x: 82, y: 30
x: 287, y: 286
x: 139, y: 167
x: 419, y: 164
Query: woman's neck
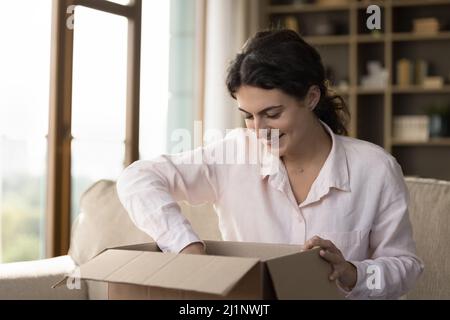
x: 314, y: 150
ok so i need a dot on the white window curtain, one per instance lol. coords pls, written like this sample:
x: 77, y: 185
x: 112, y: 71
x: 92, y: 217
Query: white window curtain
x: 205, y: 35
x: 228, y: 25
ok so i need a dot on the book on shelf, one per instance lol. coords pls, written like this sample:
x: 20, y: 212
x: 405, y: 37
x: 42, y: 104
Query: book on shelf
x: 426, y: 26
x: 411, y: 128
x: 434, y: 82
x: 404, y: 72
x: 291, y: 23
x: 420, y: 71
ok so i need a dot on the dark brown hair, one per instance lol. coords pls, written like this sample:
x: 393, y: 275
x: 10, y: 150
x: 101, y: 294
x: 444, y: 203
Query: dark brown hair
x: 281, y: 59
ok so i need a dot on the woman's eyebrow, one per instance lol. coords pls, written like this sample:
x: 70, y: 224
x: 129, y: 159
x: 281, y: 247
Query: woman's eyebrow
x: 264, y: 110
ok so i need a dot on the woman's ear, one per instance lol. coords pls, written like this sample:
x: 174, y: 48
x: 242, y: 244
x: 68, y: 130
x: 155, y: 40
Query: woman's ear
x: 312, y: 97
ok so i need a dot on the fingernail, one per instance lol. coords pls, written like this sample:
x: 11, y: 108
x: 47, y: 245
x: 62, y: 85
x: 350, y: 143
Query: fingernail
x: 322, y: 252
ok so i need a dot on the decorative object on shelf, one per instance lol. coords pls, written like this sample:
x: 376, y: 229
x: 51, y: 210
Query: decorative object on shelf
x: 375, y: 33
x: 291, y: 22
x: 404, y: 72
x: 343, y: 85
x: 426, y: 26
x: 324, y: 27
x: 439, y: 118
x: 433, y: 82
x: 332, y: 82
x: 420, y: 71
x: 411, y: 128
x: 377, y: 76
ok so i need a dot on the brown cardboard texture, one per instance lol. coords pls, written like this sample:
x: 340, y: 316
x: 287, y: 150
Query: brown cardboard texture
x: 230, y: 270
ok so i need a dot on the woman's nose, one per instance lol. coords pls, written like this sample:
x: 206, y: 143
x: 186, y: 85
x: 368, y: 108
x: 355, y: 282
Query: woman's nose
x: 261, y: 128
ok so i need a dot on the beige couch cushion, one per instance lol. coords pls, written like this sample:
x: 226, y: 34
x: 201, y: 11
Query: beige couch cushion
x: 33, y: 280
x: 430, y: 217
x: 104, y: 223
x: 101, y: 223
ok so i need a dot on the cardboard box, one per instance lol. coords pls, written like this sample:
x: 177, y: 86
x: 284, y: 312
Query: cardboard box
x: 230, y: 270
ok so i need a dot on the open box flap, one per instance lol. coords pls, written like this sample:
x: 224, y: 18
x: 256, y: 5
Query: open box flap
x: 202, y: 273
x: 302, y: 275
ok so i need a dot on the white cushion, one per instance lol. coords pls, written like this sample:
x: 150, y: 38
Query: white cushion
x: 34, y: 280
x: 102, y: 223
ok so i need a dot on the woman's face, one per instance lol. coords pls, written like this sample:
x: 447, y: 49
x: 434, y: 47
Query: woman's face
x: 274, y: 109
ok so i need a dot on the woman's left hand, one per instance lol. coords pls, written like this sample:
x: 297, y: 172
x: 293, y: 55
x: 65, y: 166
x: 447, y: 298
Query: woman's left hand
x: 343, y: 271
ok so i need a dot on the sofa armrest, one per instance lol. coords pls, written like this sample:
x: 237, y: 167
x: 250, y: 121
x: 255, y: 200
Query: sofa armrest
x: 34, y: 279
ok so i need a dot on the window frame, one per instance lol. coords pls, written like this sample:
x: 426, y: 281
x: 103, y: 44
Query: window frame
x: 58, y: 213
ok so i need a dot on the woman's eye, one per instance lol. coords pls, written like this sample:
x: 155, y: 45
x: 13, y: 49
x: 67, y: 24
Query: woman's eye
x: 273, y: 116
x: 248, y: 117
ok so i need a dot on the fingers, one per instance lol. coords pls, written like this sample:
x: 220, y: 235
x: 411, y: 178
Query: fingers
x: 311, y: 243
x: 317, y: 241
x: 337, y: 261
x: 330, y: 253
x: 331, y: 257
x: 335, y: 275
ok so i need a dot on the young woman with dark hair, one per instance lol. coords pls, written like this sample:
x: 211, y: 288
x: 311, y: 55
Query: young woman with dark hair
x: 344, y: 195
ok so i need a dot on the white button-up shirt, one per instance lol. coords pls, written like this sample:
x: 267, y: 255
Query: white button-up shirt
x: 359, y: 201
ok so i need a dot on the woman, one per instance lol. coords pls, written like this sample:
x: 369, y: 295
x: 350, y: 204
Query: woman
x: 344, y: 195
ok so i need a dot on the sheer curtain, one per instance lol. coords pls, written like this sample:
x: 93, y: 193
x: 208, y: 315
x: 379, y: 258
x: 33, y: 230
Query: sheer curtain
x: 227, y: 26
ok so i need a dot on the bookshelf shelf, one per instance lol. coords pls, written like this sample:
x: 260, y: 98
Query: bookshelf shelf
x: 371, y: 38
x: 435, y: 142
x: 409, y: 36
x: 365, y: 4
x: 363, y: 91
x: 301, y: 8
x: 347, y: 53
x: 419, y: 90
x: 415, y: 3
x: 328, y: 40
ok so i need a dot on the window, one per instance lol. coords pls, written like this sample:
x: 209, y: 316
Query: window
x: 154, y: 77
x: 24, y: 100
x: 93, y: 130
x: 98, y: 99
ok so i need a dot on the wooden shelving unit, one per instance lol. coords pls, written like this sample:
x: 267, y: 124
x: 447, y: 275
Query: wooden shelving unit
x: 420, y: 90
x: 348, y: 50
x: 444, y: 142
x: 408, y: 36
x: 328, y: 40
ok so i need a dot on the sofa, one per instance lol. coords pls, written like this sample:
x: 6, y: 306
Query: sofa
x: 103, y: 223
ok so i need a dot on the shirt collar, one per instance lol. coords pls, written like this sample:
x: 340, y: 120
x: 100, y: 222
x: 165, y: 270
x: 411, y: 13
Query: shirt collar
x: 334, y: 172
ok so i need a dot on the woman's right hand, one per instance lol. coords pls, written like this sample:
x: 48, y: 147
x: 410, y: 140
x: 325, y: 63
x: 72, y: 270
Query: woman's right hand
x: 194, y: 248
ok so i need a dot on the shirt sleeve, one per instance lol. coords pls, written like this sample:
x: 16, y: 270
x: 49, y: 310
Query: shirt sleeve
x: 150, y: 190
x: 394, y: 267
